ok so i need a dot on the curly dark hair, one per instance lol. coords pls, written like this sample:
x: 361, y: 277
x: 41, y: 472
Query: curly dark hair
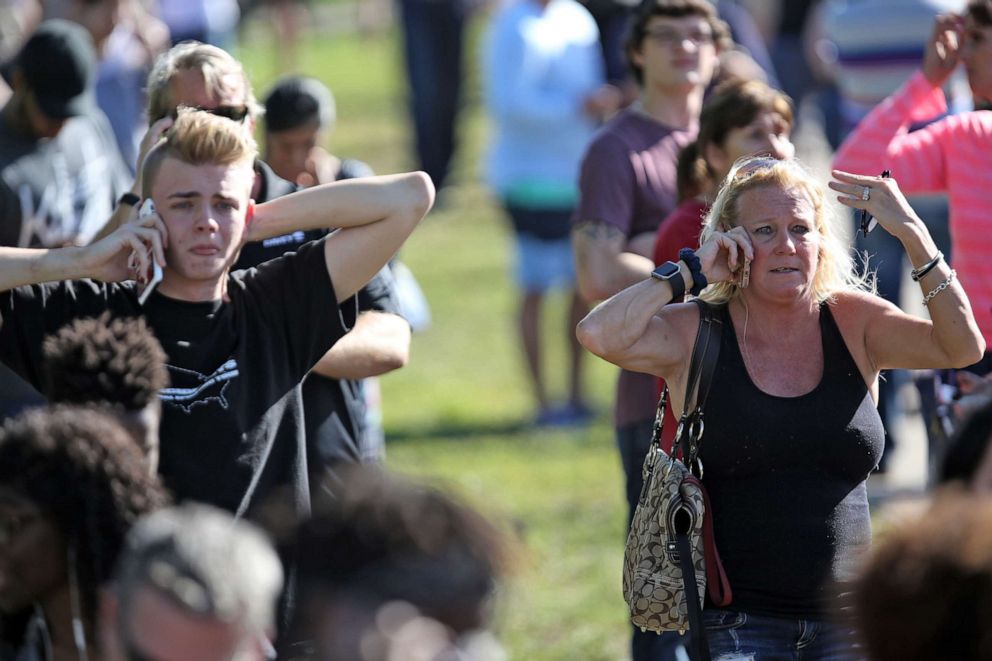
x: 80, y: 467
x: 105, y: 360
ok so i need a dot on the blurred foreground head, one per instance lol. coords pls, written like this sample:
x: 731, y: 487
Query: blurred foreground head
x: 115, y: 364
x: 926, y: 592
x: 388, y: 567
x: 193, y: 584
x: 72, y: 483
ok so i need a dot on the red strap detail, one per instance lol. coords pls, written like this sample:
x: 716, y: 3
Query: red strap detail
x: 717, y: 583
x: 250, y: 214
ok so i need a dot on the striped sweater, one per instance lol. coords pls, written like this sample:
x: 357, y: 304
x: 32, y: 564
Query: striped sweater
x: 952, y: 155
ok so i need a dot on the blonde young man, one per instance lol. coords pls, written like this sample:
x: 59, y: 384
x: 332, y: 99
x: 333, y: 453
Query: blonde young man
x: 238, y: 343
x: 206, y: 77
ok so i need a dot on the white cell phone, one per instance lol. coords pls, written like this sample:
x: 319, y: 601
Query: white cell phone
x: 148, y: 282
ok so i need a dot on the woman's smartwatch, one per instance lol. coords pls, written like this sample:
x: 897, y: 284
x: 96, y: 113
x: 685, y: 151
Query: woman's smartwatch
x: 671, y: 272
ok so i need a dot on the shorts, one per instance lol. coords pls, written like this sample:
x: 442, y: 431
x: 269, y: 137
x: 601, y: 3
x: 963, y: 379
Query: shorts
x: 544, y: 248
x: 542, y: 264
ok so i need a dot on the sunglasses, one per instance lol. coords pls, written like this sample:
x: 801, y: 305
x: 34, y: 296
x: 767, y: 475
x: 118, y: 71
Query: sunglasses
x: 233, y: 113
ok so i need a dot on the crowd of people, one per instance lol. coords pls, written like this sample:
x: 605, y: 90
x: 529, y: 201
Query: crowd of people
x: 191, y: 325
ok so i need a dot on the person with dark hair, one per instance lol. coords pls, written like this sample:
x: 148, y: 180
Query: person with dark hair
x: 72, y: 483
x: 112, y: 362
x: 382, y: 540
x: 192, y: 584
x: 299, y: 116
x: 60, y: 171
x: 926, y: 591
x: 740, y: 118
x: 967, y: 460
x: 627, y: 186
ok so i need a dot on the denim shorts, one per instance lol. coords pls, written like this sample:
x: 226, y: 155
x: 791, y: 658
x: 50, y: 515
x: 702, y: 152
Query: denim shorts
x: 739, y: 636
x: 543, y: 264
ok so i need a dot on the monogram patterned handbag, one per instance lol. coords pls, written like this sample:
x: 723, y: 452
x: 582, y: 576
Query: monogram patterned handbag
x: 670, y: 547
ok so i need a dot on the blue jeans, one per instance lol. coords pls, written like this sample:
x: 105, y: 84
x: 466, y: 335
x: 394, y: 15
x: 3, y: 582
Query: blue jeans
x: 739, y: 636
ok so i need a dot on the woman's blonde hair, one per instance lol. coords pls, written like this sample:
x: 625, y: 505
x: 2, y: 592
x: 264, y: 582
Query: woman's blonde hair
x: 835, y: 269
x: 199, y: 138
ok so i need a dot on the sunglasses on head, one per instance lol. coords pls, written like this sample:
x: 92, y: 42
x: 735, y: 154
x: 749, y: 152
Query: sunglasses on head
x: 234, y: 113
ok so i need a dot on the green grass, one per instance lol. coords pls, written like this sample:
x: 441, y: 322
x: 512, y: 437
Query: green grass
x: 458, y: 412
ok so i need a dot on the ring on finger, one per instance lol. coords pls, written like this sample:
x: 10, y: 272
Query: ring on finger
x: 865, y: 194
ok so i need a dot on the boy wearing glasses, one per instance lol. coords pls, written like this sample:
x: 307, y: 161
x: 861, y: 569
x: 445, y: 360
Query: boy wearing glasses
x: 628, y: 185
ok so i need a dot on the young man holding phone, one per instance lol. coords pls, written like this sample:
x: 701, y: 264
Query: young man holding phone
x: 238, y: 344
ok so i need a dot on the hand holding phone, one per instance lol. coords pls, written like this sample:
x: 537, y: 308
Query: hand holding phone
x: 148, y: 280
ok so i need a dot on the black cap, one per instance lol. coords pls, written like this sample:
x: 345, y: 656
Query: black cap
x: 59, y: 65
x: 295, y: 101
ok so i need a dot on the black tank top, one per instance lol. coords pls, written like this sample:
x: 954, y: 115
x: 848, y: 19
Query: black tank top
x: 786, y: 479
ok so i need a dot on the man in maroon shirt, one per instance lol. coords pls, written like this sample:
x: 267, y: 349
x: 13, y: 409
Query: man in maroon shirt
x: 627, y: 185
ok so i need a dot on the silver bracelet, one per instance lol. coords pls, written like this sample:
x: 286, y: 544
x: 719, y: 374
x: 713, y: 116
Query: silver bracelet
x: 939, y: 288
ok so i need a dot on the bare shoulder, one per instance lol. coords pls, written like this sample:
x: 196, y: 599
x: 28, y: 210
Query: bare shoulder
x: 682, y: 321
x: 858, y: 307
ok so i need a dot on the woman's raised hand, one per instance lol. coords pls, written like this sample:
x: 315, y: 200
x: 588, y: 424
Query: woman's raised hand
x: 878, y: 196
x: 723, y: 254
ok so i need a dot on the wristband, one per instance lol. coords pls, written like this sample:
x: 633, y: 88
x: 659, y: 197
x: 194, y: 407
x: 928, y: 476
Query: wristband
x: 671, y: 273
x: 129, y: 199
x: 917, y: 274
x: 688, y: 255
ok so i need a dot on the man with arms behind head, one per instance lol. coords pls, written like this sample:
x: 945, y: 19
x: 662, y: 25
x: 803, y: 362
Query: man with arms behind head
x: 203, y: 76
x: 192, y: 584
x: 238, y: 343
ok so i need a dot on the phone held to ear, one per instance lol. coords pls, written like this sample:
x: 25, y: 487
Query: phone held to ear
x: 745, y: 273
x: 149, y: 280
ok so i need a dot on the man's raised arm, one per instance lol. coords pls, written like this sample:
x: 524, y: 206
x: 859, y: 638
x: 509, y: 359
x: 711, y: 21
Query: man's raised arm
x: 375, y: 216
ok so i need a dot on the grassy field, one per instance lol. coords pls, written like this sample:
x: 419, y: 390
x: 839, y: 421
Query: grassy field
x: 459, y: 412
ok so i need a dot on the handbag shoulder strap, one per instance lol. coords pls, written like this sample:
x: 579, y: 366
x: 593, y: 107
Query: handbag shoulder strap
x: 701, y: 367
x: 710, y: 353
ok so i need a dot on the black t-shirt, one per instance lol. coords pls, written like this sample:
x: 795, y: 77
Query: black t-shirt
x: 232, y: 419
x: 334, y: 409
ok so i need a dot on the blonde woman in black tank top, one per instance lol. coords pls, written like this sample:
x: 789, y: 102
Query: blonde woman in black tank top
x: 792, y: 429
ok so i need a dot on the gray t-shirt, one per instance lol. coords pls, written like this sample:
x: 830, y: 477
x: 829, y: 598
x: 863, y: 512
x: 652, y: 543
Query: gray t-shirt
x: 59, y: 191
x: 628, y: 181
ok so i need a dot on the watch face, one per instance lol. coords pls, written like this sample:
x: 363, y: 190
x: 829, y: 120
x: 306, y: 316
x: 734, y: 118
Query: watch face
x: 666, y: 270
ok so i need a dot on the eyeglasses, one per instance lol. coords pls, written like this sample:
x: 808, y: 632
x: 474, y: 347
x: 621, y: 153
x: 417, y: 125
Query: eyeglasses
x: 669, y: 38
x: 11, y: 526
x: 233, y: 113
